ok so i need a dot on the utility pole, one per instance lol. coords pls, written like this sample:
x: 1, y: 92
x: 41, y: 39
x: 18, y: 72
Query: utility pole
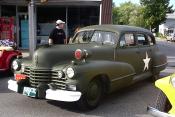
x: 32, y: 27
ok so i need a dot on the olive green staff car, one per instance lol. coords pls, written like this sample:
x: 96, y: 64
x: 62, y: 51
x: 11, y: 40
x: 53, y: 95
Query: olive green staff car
x: 99, y: 59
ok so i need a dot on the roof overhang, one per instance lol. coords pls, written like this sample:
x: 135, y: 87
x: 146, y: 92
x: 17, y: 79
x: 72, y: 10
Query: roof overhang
x: 54, y: 2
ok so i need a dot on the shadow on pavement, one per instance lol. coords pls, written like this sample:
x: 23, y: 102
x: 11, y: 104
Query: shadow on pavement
x: 118, y: 99
x: 70, y: 106
x: 4, y: 77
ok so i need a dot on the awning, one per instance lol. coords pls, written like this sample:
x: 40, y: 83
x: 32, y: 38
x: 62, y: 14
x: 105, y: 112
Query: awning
x: 54, y: 2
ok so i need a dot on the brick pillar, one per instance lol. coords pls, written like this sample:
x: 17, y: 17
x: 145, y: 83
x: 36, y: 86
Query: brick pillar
x: 106, y: 12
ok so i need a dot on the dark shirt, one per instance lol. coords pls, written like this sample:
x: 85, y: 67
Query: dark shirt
x: 58, y: 36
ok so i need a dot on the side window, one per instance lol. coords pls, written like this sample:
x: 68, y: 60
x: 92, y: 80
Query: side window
x: 127, y: 40
x: 151, y: 42
x: 104, y: 37
x: 97, y: 37
x: 109, y: 38
x: 142, y: 40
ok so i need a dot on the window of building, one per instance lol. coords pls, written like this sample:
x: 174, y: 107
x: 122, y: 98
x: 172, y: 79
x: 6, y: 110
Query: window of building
x: 8, y: 10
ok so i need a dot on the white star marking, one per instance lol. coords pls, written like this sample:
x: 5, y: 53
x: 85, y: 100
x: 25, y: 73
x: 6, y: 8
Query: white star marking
x: 146, y: 61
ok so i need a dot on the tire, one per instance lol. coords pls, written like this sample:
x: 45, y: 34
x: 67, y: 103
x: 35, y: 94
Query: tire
x: 162, y: 102
x: 155, y: 77
x: 11, y: 70
x: 93, y: 95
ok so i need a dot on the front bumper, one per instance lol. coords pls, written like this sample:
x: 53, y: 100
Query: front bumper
x: 59, y: 95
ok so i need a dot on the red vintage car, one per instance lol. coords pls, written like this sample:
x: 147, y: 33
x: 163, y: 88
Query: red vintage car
x: 7, y: 56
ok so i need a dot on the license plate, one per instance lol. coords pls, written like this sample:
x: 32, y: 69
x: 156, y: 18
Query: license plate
x: 28, y: 91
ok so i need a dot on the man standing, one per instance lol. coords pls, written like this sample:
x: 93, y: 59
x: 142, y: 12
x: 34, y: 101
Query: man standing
x: 57, y: 36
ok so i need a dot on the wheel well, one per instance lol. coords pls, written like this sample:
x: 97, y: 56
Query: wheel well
x: 104, y: 79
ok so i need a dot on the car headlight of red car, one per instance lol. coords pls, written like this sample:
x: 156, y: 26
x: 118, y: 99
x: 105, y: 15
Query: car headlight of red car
x: 16, y: 65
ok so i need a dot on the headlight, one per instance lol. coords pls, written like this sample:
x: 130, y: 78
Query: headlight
x: 70, y: 72
x: 16, y: 65
x: 61, y: 74
x: 22, y: 68
x: 172, y: 80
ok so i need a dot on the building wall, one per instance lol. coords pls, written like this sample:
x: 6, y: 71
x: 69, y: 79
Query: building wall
x: 106, y: 16
x: 106, y: 12
x: 168, y: 25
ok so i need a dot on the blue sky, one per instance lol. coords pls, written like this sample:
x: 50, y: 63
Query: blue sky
x: 118, y: 2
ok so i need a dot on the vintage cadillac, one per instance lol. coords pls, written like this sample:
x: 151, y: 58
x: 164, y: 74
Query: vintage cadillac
x: 99, y: 59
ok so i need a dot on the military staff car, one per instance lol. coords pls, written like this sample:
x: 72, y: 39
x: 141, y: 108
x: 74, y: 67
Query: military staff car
x: 99, y: 60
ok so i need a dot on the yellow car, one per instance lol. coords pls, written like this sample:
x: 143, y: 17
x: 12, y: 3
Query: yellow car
x: 166, y: 98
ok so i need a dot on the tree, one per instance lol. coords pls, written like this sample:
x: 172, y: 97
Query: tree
x: 155, y: 12
x: 129, y: 14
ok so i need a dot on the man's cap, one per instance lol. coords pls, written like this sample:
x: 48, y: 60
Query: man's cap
x: 60, y: 22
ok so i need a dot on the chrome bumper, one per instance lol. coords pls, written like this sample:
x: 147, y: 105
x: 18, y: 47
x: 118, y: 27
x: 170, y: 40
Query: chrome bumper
x: 60, y: 95
x: 12, y: 85
x: 63, y: 95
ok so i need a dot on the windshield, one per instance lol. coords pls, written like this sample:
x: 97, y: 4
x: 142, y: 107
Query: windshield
x: 104, y: 37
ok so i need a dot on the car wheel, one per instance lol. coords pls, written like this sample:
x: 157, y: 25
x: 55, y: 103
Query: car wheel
x: 162, y: 103
x: 92, y: 97
x: 11, y: 70
x: 155, y: 77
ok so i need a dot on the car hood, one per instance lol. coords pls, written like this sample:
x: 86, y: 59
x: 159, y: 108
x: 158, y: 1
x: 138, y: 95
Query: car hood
x: 51, y: 56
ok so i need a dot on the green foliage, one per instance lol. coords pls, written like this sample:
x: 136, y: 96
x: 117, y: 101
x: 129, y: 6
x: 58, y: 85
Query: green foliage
x: 155, y: 11
x: 129, y: 14
x: 150, y: 14
x: 161, y: 36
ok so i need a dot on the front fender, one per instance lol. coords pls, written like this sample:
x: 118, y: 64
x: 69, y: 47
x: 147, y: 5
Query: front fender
x: 115, y: 72
x: 9, y: 58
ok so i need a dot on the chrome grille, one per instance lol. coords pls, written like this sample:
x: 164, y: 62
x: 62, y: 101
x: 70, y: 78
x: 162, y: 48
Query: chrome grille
x: 37, y: 76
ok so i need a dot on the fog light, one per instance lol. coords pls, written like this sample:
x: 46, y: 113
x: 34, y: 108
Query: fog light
x: 61, y: 74
x: 72, y: 87
x: 22, y: 68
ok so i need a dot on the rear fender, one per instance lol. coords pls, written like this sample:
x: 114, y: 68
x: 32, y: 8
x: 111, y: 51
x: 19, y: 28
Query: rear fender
x: 159, y: 62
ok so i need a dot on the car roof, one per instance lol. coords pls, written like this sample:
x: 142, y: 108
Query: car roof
x: 117, y: 28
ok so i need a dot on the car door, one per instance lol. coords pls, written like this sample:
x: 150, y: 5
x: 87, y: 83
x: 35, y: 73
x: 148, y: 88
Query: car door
x: 145, y: 50
x: 128, y: 52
